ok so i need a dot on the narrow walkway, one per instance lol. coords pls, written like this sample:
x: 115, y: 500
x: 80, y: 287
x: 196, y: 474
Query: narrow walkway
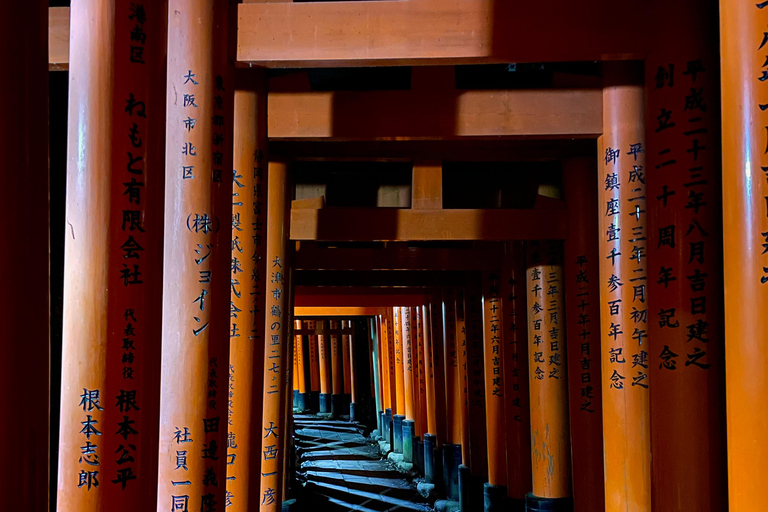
x: 343, y: 470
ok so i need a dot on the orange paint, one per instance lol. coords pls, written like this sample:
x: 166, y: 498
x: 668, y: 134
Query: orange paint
x: 462, y: 397
x: 742, y: 27
x: 430, y: 397
x: 337, y: 373
x: 687, y: 354
x: 421, y: 424
x: 295, y: 371
x: 345, y: 341
x: 583, y: 336
x: 493, y: 348
x: 437, y: 369
x: 314, y: 357
x: 324, y: 357
x: 351, y: 358
x: 399, y: 363
x: 246, y: 356
x: 300, y: 359
x: 453, y: 387
x: 476, y: 416
x: 386, y: 395
x: 408, y: 363
x: 547, y: 367
x: 623, y: 278
x: 516, y: 385
x: 277, y: 354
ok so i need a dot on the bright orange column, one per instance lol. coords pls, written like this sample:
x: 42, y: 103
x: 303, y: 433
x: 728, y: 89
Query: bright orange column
x: 421, y: 415
x: 547, y: 367
x: 453, y: 387
x: 437, y: 369
x: 623, y: 291
x: 301, y: 361
x: 324, y: 355
x: 745, y: 237
x: 493, y: 348
x: 408, y: 363
x: 462, y: 397
x: 389, y: 317
x: 582, y: 317
x: 278, y: 331
x: 25, y: 291
x: 386, y: 395
x: 112, y: 280
x: 196, y: 270
x: 248, y: 268
x: 516, y: 385
x: 686, y: 361
x: 430, y: 398
x: 337, y: 371
x: 476, y: 416
x: 314, y: 365
x: 399, y: 363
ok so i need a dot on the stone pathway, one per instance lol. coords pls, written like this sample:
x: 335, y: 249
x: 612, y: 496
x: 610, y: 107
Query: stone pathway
x: 342, y: 470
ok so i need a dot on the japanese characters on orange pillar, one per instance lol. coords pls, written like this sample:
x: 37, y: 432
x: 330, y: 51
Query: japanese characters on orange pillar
x: 421, y: 426
x: 462, y: 395
x: 196, y: 283
x: 248, y: 268
x: 550, y: 436
x: 111, y: 353
x: 277, y: 327
x: 314, y: 357
x: 437, y: 369
x: 493, y: 347
x: 407, y: 356
x: 623, y: 291
x: 345, y: 340
x: 429, y: 371
x: 475, y: 382
x: 351, y: 359
x: 386, y: 397
x: 684, y: 260
x: 337, y: 372
x: 301, y: 359
x: 323, y: 352
x: 25, y: 256
x: 516, y: 385
x: 453, y: 391
x: 399, y: 362
x: 745, y: 240
x: 389, y: 317
x: 583, y: 335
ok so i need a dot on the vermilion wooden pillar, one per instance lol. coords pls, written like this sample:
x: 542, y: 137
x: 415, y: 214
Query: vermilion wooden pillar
x: 25, y: 294
x: 516, y: 395
x: 314, y: 366
x: 112, y: 281
x: 582, y: 316
x: 324, y: 354
x: 745, y: 228
x: 337, y: 371
x: 294, y: 394
x: 421, y: 423
x: 437, y: 369
x: 352, y: 383
x: 389, y: 319
x: 386, y: 396
x: 685, y: 260
x: 399, y: 362
x: 278, y: 332
x: 196, y: 270
x: 452, y: 450
x: 248, y: 270
x: 547, y: 367
x: 476, y: 417
x: 493, y: 348
x: 430, y: 397
x: 462, y: 397
x: 408, y: 362
x: 346, y: 326
x: 623, y: 291
x: 301, y: 361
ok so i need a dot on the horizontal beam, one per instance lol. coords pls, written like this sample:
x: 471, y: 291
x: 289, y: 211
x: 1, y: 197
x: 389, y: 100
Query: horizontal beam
x: 392, y: 224
x: 58, y: 38
x: 430, y: 32
x: 336, y: 311
x: 346, y: 297
x: 309, y: 257
x: 406, y: 282
x: 433, y: 109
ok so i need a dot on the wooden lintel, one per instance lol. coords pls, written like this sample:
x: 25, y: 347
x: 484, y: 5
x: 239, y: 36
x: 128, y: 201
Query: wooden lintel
x: 440, y: 113
x: 427, y: 185
x: 337, y: 311
x: 58, y: 38
x: 392, y: 224
x: 309, y: 257
x: 432, y: 32
x: 345, y: 297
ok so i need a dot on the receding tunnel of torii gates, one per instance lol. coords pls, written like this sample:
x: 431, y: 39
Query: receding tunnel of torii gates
x: 415, y: 255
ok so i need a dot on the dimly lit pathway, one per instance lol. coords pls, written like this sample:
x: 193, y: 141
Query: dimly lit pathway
x: 344, y: 471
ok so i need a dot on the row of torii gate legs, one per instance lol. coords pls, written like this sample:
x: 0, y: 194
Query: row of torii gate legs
x: 607, y: 377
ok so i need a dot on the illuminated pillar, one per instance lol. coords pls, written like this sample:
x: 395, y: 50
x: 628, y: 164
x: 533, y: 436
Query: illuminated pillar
x: 248, y: 267
x: 421, y: 415
x: 352, y: 382
x: 550, y: 439
x: 346, y: 326
x: 686, y: 362
x: 386, y: 396
x: 112, y: 284
x: 516, y: 385
x: 462, y: 398
x: 390, y: 321
x: 301, y: 363
x: 397, y: 419
x: 493, y: 348
x: 25, y: 370
x: 337, y: 371
x: 476, y: 417
x: 278, y: 331
x: 407, y: 362
x: 452, y: 455
x: 429, y: 369
x: 745, y: 238
x: 295, y: 374
x: 437, y: 370
x: 623, y: 291
x: 583, y: 335
x: 314, y: 366
x: 324, y: 354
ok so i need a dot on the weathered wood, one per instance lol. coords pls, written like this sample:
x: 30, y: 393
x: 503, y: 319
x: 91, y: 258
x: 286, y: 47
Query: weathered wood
x: 389, y: 224
x: 311, y: 257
